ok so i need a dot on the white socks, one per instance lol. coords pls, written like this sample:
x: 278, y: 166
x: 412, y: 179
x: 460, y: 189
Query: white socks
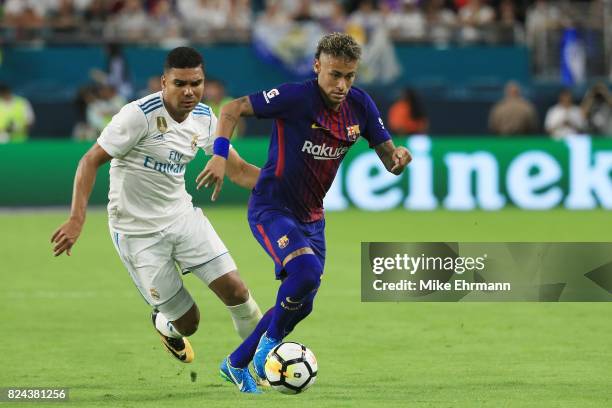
x: 245, y: 317
x: 165, y: 326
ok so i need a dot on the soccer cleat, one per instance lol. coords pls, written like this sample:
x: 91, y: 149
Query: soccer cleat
x: 241, y: 377
x: 266, y: 344
x: 180, y: 347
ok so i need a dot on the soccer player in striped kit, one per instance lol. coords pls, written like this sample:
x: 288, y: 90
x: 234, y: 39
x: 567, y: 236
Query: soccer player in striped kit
x: 315, y: 123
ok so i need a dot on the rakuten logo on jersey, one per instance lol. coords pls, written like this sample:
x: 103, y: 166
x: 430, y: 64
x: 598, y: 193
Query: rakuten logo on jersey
x: 323, y: 152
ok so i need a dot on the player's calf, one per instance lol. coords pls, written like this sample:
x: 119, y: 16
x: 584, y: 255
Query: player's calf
x: 241, y: 305
x: 305, y: 310
x: 188, y: 323
x: 302, y: 282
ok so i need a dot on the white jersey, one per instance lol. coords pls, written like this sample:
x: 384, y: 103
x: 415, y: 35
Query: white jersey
x: 150, y: 152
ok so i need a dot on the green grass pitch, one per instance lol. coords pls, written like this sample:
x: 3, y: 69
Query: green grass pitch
x: 79, y: 322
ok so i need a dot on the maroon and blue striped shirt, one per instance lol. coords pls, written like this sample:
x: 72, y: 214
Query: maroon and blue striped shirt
x: 309, y: 141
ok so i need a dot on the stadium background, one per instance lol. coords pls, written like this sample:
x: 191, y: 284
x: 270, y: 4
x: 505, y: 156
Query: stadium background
x: 77, y: 322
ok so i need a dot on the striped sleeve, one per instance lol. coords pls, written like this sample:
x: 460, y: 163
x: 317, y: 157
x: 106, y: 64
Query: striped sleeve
x: 124, y: 130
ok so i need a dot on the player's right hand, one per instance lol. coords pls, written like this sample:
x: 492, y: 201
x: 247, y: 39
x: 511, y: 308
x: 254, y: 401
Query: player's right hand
x: 214, y: 172
x: 65, y: 236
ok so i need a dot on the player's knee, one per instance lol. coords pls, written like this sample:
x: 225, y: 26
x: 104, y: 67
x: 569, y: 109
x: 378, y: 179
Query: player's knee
x: 236, y: 294
x: 230, y: 289
x: 311, y: 280
x: 308, y: 270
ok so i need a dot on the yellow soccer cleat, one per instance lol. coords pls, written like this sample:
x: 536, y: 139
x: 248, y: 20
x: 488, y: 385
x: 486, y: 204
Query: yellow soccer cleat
x: 180, y: 347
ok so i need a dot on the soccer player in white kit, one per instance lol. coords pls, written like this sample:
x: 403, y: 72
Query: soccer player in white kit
x: 153, y: 223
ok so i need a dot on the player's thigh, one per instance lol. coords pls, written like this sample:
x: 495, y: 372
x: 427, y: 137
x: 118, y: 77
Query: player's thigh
x: 200, y: 250
x: 281, y: 237
x: 149, y: 262
x: 315, y: 233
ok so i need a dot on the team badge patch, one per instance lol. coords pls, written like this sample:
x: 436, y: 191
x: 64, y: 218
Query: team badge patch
x: 353, y: 132
x: 194, y: 142
x: 154, y: 293
x: 162, y: 126
x: 283, y: 242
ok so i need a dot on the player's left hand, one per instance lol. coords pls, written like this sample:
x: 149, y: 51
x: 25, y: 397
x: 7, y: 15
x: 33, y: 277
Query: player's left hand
x: 214, y: 172
x: 66, y: 236
x: 401, y: 157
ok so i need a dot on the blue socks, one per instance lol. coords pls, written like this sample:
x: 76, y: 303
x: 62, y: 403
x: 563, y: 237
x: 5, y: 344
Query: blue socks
x: 303, y: 279
x: 294, y: 302
x: 301, y: 314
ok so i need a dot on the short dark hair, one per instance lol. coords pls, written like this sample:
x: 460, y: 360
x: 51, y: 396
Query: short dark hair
x: 183, y: 57
x: 339, y: 45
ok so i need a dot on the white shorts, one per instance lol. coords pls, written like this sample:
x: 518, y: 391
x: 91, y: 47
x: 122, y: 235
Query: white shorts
x: 154, y: 260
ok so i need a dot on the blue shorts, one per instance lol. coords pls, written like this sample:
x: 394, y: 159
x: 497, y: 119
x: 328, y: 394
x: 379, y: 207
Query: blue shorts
x: 280, y: 233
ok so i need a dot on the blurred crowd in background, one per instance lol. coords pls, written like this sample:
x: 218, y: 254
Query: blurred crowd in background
x: 176, y: 21
x: 287, y: 27
x: 516, y: 115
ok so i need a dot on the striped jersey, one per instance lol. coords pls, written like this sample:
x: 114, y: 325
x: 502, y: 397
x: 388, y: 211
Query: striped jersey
x: 308, y: 142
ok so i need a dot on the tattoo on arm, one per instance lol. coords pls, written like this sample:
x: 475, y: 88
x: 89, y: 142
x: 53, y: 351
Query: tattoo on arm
x: 246, y: 106
x: 231, y: 113
x: 229, y: 117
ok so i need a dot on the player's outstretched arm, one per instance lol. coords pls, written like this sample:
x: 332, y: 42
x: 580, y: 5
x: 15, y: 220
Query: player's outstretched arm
x: 66, y: 235
x: 214, y: 172
x: 394, y: 158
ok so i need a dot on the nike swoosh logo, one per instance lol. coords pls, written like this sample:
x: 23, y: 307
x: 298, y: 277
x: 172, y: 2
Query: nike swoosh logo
x: 238, y: 383
x: 315, y: 126
x: 288, y: 299
x: 181, y: 356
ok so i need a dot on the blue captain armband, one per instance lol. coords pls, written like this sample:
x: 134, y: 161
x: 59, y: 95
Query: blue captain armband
x: 221, y: 147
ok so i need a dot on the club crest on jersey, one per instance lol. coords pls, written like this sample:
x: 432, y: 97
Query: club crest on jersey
x: 283, y: 242
x: 194, y: 142
x: 353, y: 132
x: 162, y: 126
x: 154, y: 293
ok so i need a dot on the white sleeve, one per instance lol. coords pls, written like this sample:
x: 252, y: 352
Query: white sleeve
x: 206, y: 141
x: 123, y: 132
